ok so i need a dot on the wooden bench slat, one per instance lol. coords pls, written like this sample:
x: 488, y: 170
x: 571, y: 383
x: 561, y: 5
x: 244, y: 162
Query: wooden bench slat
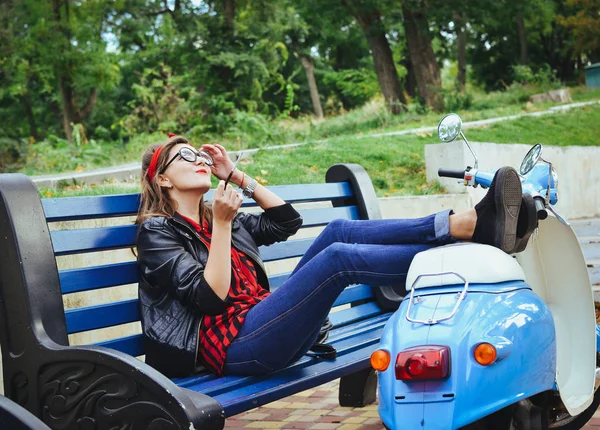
x: 66, y: 242
x: 283, y: 250
x: 132, y: 345
x: 353, y: 294
x: 357, y: 313
x: 101, y: 316
x: 215, y: 386
x: 72, y: 208
x: 323, y: 216
x: 208, y: 381
x: 277, y: 280
x: 353, y: 355
x: 126, y: 311
x: 96, y: 277
x: 92, y: 278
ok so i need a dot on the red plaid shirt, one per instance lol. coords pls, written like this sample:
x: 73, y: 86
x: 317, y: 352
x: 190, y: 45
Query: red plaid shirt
x: 218, y: 331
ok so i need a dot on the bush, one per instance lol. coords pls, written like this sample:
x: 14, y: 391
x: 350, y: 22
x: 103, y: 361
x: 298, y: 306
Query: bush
x: 58, y: 155
x: 544, y: 78
x: 356, y: 86
x: 12, y: 153
x: 455, y: 101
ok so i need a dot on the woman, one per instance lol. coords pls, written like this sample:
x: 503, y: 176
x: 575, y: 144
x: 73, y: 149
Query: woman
x: 203, y: 289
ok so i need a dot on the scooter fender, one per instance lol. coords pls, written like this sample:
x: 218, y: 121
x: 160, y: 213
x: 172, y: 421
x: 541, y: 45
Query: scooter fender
x: 510, y: 317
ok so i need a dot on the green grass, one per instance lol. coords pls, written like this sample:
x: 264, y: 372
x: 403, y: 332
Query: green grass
x: 46, y: 157
x: 75, y: 190
x: 395, y: 163
x: 576, y: 127
x: 373, y: 118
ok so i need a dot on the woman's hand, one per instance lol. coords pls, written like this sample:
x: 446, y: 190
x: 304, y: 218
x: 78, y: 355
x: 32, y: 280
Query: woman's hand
x: 225, y: 204
x: 222, y: 164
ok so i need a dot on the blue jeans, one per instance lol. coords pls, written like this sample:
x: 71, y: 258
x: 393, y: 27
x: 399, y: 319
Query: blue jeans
x: 280, y: 329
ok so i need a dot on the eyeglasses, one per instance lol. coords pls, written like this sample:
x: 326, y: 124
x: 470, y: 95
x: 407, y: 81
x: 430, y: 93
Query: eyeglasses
x: 188, y: 154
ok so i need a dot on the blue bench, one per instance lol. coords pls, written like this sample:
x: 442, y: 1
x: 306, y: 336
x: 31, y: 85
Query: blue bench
x: 104, y: 384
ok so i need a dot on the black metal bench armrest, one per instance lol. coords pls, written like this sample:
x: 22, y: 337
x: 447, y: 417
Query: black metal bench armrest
x: 70, y: 386
x: 14, y: 417
x: 111, y: 389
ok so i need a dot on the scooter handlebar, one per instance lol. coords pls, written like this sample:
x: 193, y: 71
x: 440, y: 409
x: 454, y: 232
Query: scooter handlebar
x: 448, y: 173
x: 540, y: 208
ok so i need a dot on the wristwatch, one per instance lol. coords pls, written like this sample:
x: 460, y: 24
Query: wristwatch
x: 249, y: 190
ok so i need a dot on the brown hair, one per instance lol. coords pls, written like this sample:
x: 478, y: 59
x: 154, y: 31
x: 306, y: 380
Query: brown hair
x: 154, y: 198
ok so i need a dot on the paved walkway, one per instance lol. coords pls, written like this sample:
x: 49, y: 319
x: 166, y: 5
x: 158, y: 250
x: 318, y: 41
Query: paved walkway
x: 318, y: 409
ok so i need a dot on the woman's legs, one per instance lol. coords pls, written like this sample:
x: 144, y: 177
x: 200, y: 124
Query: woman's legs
x: 432, y: 229
x: 282, y: 327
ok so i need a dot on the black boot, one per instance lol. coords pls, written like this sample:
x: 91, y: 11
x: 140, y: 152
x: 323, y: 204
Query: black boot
x: 498, y: 211
x: 528, y: 222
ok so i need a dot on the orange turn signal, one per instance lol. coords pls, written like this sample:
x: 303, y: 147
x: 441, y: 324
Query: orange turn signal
x: 485, y: 353
x: 380, y: 360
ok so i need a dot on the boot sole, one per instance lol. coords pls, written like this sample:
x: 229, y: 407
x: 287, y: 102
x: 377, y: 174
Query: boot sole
x: 531, y: 224
x: 508, y: 203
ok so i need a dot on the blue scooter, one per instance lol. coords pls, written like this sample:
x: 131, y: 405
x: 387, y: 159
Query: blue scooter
x: 487, y: 340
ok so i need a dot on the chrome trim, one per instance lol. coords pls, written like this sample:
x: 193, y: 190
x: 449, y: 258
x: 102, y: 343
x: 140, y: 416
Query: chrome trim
x: 431, y: 321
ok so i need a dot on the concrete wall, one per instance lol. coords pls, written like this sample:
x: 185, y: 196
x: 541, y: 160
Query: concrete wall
x: 578, y: 170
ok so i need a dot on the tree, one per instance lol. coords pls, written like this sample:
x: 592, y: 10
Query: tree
x: 53, y: 53
x: 582, y: 17
x: 75, y: 33
x: 424, y: 62
x: 370, y: 20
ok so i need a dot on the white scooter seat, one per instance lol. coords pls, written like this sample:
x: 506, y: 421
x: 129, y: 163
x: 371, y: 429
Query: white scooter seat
x: 475, y: 262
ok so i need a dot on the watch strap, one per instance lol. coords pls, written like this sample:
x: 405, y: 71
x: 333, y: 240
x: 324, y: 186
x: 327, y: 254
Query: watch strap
x: 248, y: 191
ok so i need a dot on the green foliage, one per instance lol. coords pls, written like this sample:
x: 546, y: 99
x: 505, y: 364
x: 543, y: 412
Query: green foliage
x: 357, y: 86
x: 132, y: 70
x: 544, y: 78
x: 157, y: 105
x: 455, y: 100
x: 289, y: 105
x: 12, y: 152
x: 59, y: 155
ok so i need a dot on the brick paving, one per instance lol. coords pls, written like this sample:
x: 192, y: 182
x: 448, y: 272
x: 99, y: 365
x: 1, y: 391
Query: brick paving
x: 318, y: 409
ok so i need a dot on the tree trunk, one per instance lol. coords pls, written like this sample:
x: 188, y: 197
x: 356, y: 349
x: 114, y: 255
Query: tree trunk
x: 461, y: 45
x: 387, y: 75
x: 309, y: 67
x: 229, y: 14
x: 68, y: 113
x: 410, y: 84
x: 522, y: 38
x: 30, y: 116
x: 88, y: 108
x: 425, y: 66
x: 64, y: 81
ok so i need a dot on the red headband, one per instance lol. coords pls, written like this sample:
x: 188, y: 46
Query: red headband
x: 152, y: 166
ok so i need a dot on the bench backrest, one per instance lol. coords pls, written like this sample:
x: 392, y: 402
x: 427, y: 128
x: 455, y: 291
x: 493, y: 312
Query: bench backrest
x: 87, y: 230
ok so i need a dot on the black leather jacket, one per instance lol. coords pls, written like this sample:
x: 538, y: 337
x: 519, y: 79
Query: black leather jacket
x: 173, y: 293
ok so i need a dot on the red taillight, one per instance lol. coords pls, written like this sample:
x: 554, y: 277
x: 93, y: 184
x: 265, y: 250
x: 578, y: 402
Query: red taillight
x: 423, y: 362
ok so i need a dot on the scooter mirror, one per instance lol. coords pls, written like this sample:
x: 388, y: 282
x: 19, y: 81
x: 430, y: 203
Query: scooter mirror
x: 449, y: 127
x: 530, y: 159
